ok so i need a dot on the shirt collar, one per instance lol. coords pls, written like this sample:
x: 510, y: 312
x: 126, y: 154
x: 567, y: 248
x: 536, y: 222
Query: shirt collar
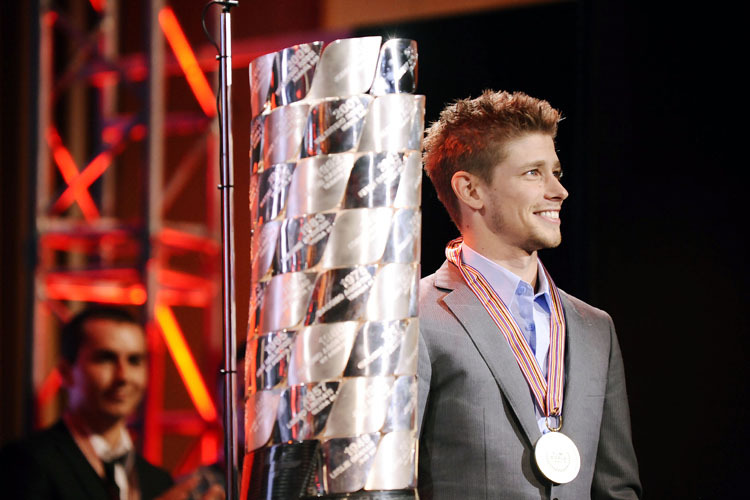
x: 504, y: 282
x: 106, y: 452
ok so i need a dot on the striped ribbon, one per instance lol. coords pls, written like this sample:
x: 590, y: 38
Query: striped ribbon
x: 550, y: 401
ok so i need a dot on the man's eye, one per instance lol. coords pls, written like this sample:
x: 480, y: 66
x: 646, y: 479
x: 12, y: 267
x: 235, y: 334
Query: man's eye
x: 104, y: 357
x: 531, y: 172
x: 559, y: 174
x: 137, y: 360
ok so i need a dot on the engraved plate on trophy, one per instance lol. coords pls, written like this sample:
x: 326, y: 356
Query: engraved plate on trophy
x: 256, y: 142
x: 407, y: 359
x: 361, y: 406
x: 358, y: 237
x: 321, y: 352
x: 340, y: 295
x: 394, y: 292
x: 395, y: 123
x: 304, y: 410
x: 260, y: 83
x: 347, y: 67
x: 263, y: 248
x: 374, y: 180
x: 283, y: 131
x: 402, y: 409
x: 394, y: 465
x: 397, y: 68
x: 318, y: 183
x: 377, y: 348
x: 260, y: 417
x: 293, y: 71
x: 272, y: 353
x: 257, y: 292
x: 410, y: 186
x: 285, y: 301
x: 403, y: 240
x: 273, y: 185
x: 335, y: 125
x: 302, y: 242
x: 347, y: 461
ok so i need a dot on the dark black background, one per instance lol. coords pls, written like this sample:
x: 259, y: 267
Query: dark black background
x: 652, y: 230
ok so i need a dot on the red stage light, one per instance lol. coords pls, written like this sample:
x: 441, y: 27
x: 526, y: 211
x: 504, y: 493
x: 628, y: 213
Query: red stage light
x: 98, y: 5
x: 105, y: 293
x: 69, y: 171
x: 185, y: 362
x: 187, y: 61
x: 49, y: 388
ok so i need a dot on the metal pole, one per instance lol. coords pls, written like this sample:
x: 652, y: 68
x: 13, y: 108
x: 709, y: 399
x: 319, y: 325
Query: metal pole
x: 227, y: 239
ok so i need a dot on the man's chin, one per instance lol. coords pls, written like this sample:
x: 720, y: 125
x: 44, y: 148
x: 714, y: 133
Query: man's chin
x: 542, y: 242
x: 119, y: 411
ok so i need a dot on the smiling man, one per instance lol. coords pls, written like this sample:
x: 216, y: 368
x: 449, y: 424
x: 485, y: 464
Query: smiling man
x: 89, y: 453
x: 521, y: 386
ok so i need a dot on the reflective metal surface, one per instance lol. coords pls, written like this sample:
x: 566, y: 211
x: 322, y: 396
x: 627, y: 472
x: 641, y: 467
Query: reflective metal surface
x: 273, y: 187
x: 283, y: 130
x: 397, y: 67
x: 358, y: 237
x: 272, y: 353
x: 347, y: 461
x: 393, y: 467
x: 302, y: 241
x: 395, y: 123
x: 341, y: 295
x: 335, y: 125
x: 304, y: 410
x: 394, y: 292
x: 321, y: 352
x: 378, y: 347
x: 335, y: 179
x: 263, y: 248
x: 361, y: 406
x: 283, y: 77
x: 293, y: 73
x: 260, y: 417
x: 318, y: 183
x: 347, y: 67
x: 284, y: 302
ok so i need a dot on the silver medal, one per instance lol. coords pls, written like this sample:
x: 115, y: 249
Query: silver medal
x: 557, y: 457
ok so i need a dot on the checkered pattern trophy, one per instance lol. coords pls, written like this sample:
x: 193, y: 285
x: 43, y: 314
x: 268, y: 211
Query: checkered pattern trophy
x: 335, y: 205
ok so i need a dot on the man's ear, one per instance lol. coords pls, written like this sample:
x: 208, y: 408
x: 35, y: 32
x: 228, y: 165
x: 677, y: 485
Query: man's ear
x: 465, y: 186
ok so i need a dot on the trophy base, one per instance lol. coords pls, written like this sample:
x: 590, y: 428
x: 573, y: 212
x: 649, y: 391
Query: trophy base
x: 369, y: 495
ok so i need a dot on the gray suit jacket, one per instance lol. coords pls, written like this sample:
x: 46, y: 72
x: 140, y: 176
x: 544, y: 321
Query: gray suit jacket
x: 477, y: 422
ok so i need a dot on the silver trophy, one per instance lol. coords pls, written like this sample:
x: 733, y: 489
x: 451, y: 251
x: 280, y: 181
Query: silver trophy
x: 335, y: 210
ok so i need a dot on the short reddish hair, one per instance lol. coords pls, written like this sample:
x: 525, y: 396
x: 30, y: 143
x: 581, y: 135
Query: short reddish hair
x: 471, y: 134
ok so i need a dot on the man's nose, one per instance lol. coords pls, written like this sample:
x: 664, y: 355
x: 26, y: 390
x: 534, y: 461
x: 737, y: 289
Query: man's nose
x: 555, y: 189
x: 122, y: 370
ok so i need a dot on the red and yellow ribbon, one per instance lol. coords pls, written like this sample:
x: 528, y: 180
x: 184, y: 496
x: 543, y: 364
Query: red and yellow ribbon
x: 548, y: 393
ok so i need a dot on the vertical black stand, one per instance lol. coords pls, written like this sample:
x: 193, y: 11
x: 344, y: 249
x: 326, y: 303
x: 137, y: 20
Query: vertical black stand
x: 229, y: 370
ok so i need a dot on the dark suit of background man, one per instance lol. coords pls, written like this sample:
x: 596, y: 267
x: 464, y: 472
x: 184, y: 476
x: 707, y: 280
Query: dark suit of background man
x: 88, y: 454
x: 494, y: 166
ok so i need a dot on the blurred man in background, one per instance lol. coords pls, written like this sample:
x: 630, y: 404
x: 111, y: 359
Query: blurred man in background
x: 88, y: 453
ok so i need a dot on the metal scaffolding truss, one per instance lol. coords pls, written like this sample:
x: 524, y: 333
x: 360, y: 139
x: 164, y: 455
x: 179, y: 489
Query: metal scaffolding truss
x: 127, y: 208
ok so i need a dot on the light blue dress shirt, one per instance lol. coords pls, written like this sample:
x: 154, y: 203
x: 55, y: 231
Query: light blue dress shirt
x: 530, y: 310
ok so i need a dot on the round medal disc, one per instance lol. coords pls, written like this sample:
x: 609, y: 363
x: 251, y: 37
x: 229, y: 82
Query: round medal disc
x: 557, y: 457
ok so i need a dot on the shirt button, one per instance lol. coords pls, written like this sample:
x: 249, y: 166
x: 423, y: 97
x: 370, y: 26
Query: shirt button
x: 530, y: 328
x: 519, y: 290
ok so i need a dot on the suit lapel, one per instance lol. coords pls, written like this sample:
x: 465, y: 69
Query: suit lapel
x: 491, y: 345
x: 76, y: 461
